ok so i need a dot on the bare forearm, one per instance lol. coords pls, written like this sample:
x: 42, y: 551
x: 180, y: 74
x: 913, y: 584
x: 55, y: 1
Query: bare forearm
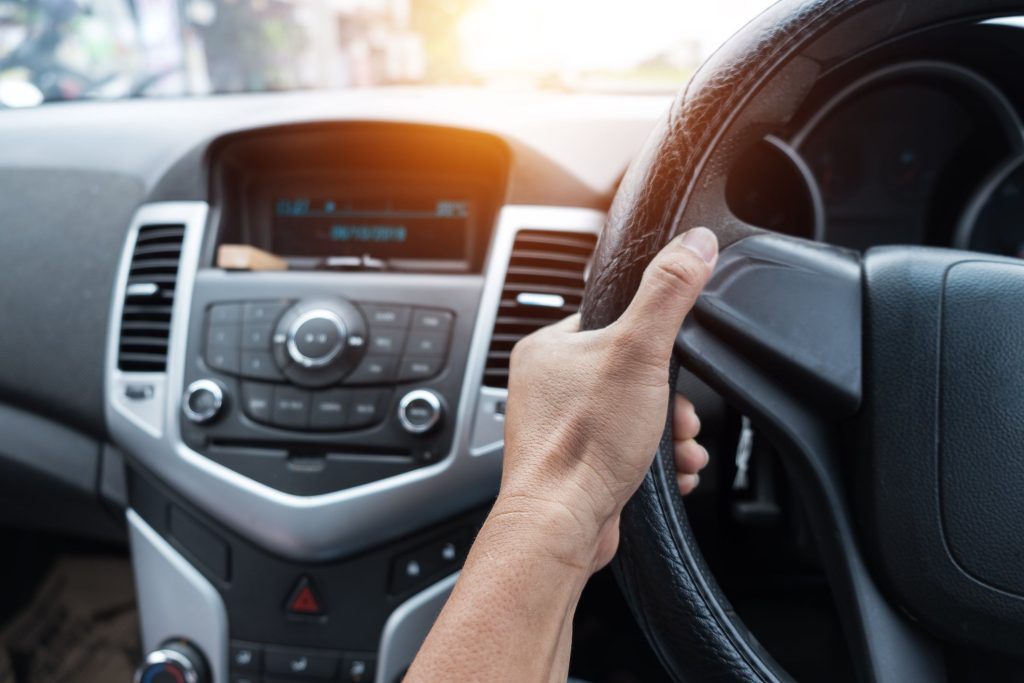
x: 510, y: 616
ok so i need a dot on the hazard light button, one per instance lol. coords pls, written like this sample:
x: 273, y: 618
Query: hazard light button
x: 304, y: 600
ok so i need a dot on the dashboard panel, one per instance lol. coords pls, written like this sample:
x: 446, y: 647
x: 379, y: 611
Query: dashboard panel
x: 919, y: 152
x: 363, y: 470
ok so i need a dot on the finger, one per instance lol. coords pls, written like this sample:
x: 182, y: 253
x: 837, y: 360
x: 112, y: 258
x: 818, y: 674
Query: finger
x: 685, y: 423
x: 671, y: 284
x: 687, y: 482
x: 690, y: 457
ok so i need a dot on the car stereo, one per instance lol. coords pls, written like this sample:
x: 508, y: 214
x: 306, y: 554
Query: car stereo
x: 316, y: 382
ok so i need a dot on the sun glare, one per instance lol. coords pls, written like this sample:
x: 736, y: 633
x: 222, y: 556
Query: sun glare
x: 568, y: 37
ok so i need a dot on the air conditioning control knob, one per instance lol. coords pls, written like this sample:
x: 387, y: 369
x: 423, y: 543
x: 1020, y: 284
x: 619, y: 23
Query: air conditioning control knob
x: 203, y: 401
x: 420, y: 411
x: 174, y: 662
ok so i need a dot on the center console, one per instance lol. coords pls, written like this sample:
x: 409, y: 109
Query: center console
x: 313, y: 447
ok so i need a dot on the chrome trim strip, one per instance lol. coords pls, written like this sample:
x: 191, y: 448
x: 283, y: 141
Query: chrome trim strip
x: 544, y: 300
x: 407, y: 628
x: 333, y: 524
x: 175, y: 600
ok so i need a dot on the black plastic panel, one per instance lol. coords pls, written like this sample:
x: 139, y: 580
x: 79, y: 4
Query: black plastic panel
x: 356, y: 594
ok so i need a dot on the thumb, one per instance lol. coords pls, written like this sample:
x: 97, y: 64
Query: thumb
x: 670, y: 286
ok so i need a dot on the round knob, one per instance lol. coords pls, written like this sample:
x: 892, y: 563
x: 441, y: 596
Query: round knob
x: 420, y: 410
x: 319, y: 341
x: 174, y: 662
x: 316, y: 337
x: 203, y: 400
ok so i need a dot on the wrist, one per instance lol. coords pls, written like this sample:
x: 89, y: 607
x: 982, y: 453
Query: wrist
x: 545, y: 530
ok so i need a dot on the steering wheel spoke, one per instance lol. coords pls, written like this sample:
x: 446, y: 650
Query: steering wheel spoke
x: 778, y: 331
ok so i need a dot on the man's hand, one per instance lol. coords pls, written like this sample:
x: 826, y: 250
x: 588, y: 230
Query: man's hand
x: 586, y: 411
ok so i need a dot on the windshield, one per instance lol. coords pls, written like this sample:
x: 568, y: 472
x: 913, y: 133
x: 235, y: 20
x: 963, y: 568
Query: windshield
x: 53, y: 50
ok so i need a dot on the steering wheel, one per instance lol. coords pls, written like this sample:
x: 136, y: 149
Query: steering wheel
x: 890, y: 382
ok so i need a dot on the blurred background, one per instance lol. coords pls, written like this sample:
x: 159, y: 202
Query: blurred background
x: 53, y: 50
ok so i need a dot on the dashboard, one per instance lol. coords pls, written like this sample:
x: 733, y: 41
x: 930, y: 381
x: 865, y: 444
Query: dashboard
x: 302, y: 446
x: 315, y: 431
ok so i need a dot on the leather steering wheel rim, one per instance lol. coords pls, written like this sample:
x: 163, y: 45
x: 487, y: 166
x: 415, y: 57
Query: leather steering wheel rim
x: 754, y: 83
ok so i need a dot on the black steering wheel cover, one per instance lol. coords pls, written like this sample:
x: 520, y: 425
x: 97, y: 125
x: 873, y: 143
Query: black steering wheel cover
x: 686, y: 618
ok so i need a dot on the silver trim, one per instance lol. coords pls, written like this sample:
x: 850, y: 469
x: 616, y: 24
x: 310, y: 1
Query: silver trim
x: 420, y: 395
x: 143, y: 289
x: 169, y: 656
x: 407, y: 628
x: 175, y: 600
x: 317, y: 527
x: 202, y: 385
x: 301, y: 358
x: 537, y: 299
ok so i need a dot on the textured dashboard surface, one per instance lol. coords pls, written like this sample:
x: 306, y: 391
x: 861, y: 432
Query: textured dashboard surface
x: 62, y: 233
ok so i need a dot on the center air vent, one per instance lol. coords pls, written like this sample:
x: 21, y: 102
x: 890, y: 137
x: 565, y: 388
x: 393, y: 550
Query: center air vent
x: 148, y: 299
x: 544, y: 284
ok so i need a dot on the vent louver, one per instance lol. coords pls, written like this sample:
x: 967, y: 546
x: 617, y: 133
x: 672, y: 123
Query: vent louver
x: 148, y: 299
x: 544, y: 284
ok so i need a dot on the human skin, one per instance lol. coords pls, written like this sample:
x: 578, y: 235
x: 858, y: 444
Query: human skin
x: 585, y: 414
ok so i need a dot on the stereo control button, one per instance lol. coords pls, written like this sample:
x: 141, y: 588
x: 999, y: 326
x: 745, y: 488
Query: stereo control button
x: 432, y: 320
x: 366, y: 407
x: 256, y: 336
x: 426, y: 344
x: 386, y: 342
x: 291, y: 408
x: 222, y: 335
x: 420, y: 411
x: 223, y: 358
x: 374, y: 370
x: 258, y: 401
x: 225, y: 313
x: 263, y: 311
x: 259, y: 365
x: 328, y: 411
x: 387, y: 315
x: 203, y: 401
x: 315, y: 338
x: 317, y: 342
x: 419, y: 368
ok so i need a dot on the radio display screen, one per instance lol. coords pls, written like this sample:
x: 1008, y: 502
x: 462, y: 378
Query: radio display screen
x: 393, y: 228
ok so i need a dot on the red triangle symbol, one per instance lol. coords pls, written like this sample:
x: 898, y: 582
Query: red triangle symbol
x: 304, y: 600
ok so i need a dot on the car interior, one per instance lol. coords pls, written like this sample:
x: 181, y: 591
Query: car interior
x: 257, y: 326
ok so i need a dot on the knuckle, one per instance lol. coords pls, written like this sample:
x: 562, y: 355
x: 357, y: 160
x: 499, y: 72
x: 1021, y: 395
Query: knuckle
x: 678, y: 272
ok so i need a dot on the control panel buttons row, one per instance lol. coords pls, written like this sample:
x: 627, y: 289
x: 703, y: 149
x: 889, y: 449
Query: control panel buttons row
x: 330, y: 410
x: 256, y: 663
x: 316, y: 345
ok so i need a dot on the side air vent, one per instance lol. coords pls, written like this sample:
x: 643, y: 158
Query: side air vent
x: 544, y: 284
x: 148, y: 299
